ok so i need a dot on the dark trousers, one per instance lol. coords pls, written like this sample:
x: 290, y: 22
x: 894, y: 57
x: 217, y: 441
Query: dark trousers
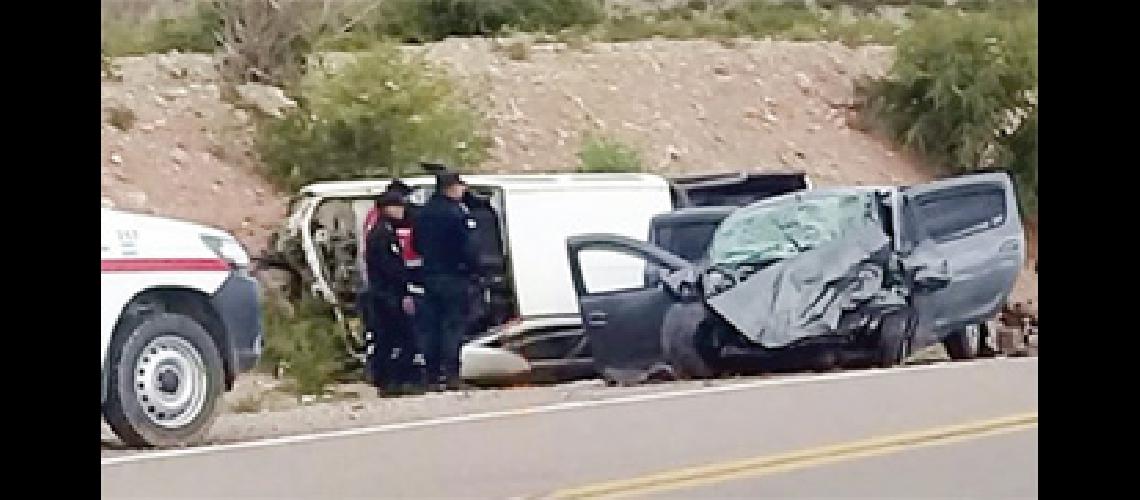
x: 445, y: 320
x: 395, y: 343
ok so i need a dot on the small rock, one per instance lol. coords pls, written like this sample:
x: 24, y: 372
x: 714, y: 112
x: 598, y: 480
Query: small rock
x: 116, y: 159
x: 146, y: 127
x: 180, y: 156
x: 815, y: 127
x: 159, y: 123
x: 751, y: 113
x: 720, y: 69
x: 672, y: 152
x: 803, y: 82
x: 308, y: 398
x: 174, y: 93
x: 267, y: 99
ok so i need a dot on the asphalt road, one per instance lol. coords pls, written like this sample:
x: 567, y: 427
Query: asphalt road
x: 947, y: 430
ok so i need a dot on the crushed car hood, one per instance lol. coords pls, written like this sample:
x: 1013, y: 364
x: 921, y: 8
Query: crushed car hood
x: 804, y: 296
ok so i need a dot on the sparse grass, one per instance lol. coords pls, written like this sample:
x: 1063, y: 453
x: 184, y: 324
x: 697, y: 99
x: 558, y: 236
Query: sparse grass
x: 191, y: 32
x: 249, y: 404
x: 122, y: 118
x: 306, y: 343
x: 380, y: 115
x: 606, y: 155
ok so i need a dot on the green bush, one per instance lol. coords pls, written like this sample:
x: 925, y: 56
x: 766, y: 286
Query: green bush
x: 955, y: 79
x: 603, y: 155
x: 194, y: 32
x: 379, y: 115
x: 306, y: 343
x: 430, y: 20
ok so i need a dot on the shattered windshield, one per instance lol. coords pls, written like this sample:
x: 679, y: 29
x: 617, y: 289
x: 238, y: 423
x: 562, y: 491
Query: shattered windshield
x: 768, y: 232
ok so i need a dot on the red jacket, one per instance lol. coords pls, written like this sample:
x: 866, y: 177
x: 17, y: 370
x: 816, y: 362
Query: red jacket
x: 403, y: 232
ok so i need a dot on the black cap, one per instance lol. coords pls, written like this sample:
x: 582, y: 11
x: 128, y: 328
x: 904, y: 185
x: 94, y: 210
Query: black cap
x: 447, y: 179
x: 433, y: 167
x: 398, y: 186
x: 389, y: 198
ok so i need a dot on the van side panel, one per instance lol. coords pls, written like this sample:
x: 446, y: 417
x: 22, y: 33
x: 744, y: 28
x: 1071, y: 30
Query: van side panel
x: 540, y: 220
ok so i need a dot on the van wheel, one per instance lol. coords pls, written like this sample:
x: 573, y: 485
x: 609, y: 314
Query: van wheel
x: 895, y: 333
x: 164, y: 382
x: 964, y: 344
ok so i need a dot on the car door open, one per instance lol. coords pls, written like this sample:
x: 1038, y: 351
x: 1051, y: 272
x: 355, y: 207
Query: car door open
x: 621, y: 311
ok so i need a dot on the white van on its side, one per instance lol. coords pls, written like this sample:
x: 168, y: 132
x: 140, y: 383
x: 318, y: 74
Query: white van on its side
x: 179, y: 320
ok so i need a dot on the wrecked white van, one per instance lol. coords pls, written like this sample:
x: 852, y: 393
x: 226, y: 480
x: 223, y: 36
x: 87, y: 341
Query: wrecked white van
x: 522, y: 225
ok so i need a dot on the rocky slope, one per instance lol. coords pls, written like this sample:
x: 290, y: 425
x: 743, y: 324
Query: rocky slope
x: 688, y: 106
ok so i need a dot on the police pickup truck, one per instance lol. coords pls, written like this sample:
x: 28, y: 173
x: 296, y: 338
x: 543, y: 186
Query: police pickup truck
x: 179, y: 320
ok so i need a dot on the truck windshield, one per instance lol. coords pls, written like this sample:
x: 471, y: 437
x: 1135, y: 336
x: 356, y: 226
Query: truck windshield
x: 769, y: 232
x: 688, y: 240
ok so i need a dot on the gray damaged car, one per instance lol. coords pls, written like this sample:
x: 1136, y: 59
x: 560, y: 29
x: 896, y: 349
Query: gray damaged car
x: 821, y: 278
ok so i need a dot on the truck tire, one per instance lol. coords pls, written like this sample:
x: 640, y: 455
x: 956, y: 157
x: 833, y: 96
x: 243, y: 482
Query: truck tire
x: 964, y: 344
x: 685, y: 340
x: 164, y: 381
x: 895, y: 333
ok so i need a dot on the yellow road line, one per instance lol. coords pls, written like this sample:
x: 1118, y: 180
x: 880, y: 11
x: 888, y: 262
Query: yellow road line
x: 690, y: 477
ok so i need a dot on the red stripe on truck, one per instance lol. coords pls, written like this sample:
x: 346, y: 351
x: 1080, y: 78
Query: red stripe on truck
x: 128, y: 265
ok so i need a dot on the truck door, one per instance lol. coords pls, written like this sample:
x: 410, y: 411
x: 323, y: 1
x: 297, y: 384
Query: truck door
x: 965, y: 236
x: 621, y: 312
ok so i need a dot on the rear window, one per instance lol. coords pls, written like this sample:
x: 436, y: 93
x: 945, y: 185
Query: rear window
x: 954, y: 213
x: 689, y: 241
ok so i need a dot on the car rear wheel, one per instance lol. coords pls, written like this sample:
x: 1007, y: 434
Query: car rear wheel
x: 164, y: 382
x: 964, y: 344
x: 895, y: 333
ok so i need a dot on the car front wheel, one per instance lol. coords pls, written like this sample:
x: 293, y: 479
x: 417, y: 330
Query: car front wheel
x: 164, y: 382
x: 965, y: 343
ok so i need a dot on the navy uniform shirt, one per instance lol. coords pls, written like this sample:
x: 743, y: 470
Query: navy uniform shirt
x: 444, y: 237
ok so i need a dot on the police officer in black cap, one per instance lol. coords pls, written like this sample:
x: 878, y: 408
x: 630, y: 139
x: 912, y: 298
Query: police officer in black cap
x: 444, y: 238
x: 392, y: 305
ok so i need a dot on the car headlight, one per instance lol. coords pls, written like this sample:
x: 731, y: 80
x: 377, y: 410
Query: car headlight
x: 227, y: 249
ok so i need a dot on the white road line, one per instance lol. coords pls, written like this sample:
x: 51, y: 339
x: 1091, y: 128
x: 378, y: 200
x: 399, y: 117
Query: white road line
x: 534, y: 410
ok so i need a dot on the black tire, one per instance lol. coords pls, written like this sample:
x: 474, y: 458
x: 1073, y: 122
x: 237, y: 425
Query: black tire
x: 896, y: 331
x: 125, y: 412
x: 964, y: 344
x: 686, y: 335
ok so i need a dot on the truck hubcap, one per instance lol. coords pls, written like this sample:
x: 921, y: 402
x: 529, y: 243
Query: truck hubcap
x: 170, y: 381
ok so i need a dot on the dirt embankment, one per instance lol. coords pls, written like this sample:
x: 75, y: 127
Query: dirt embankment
x: 688, y: 106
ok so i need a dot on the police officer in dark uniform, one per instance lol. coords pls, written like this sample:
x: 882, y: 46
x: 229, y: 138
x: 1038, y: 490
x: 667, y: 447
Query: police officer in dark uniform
x: 392, y: 306
x: 443, y: 237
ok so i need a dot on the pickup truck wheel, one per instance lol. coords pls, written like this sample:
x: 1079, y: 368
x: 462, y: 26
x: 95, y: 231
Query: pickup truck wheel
x: 964, y: 344
x: 895, y: 333
x: 164, y: 382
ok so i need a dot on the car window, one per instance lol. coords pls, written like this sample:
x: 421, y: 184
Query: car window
x: 957, y: 212
x: 606, y: 270
x: 689, y: 241
x: 770, y: 232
